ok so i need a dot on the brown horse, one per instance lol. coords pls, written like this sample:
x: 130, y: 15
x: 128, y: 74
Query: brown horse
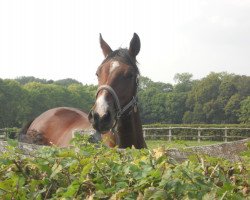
x: 115, y: 113
x: 57, y: 126
x: 116, y: 108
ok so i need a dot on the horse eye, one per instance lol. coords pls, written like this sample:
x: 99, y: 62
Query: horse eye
x: 129, y: 75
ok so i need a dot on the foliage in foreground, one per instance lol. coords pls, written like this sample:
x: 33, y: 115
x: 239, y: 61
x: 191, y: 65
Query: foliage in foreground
x: 86, y: 171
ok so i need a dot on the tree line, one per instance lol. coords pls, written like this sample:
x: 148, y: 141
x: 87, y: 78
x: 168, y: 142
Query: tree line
x: 217, y: 98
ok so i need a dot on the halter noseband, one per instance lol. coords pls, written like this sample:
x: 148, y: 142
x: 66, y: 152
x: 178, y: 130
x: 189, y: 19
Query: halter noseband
x: 120, y: 111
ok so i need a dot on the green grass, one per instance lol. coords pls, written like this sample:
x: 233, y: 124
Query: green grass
x: 152, y: 144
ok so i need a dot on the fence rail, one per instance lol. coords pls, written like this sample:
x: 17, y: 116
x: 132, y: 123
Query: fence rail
x: 8, y: 133
x: 169, y: 133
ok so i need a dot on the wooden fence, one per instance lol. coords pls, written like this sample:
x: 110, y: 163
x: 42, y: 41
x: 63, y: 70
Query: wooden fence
x: 8, y: 133
x: 172, y: 133
x: 220, y: 134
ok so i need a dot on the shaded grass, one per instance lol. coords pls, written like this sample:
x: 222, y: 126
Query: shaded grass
x: 177, y: 143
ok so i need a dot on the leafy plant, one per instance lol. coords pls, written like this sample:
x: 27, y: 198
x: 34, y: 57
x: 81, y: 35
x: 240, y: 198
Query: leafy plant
x: 90, y: 171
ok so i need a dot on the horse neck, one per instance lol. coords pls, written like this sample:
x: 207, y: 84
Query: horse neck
x: 129, y: 131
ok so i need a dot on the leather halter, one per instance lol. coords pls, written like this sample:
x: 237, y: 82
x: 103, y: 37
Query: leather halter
x: 120, y: 110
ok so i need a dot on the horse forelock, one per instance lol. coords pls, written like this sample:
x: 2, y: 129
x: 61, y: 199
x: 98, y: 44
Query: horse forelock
x: 122, y: 55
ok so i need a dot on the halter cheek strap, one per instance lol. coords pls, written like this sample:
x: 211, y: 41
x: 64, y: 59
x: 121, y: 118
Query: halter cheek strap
x: 120, y: 110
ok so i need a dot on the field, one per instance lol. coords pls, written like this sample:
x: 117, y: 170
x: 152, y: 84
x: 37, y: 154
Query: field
x: 152, y: 144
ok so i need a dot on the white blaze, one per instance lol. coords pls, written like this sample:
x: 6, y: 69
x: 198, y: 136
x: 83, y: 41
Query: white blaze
x: 113, y: 66
x: 101, y: 104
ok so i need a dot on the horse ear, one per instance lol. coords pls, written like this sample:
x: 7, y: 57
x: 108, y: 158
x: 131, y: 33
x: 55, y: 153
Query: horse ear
x: 135, y: 46
x: 105, y: 47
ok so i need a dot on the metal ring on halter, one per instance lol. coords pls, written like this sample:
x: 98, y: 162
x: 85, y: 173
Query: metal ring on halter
x: 120, y: 110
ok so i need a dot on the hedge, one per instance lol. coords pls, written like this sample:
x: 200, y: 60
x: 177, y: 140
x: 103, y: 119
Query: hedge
x: 87, y: 171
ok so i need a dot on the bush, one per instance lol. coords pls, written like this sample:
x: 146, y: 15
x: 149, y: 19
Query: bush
x: 88, y: 171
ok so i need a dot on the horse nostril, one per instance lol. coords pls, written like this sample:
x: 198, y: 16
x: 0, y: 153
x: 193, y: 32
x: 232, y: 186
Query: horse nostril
x: 106, y: 117
x: 90, y: 116
x: 96, y: 117
x: 93, y: 117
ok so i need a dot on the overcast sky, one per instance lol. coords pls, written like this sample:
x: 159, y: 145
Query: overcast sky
x: 56, y: 39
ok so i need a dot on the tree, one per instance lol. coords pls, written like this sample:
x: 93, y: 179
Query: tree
x: 175, y: 107
x: 244, y: 113
x: 146, y: 83
x: 82, y: 96
x: 13, y: 101
x: 183, y: 77
x: 27, y: 79
x: 202, y: 101
x: 187, y: 117
x: 216, y: 98
x: 183, y: 82
x: 228, y: 87
x: 151, y: 105
x: 232, y: 109
x: 45, y: 96
x: 67, y: 82
x: 199, y: 116
x: 152, y: 98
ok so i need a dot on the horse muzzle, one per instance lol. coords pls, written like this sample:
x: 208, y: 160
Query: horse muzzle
x: 99, y: 122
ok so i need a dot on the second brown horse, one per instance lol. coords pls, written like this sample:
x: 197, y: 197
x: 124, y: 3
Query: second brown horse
x: 57, y: 126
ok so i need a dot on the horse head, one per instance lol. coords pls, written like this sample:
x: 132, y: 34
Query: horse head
x: 117, y: 85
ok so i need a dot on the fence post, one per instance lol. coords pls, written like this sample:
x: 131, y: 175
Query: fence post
x: 199, y: 134
x: 4, y: 134
x: 225, y: 135
x: 154, y: 136
x: 170, y: 134
x: 144, y: 133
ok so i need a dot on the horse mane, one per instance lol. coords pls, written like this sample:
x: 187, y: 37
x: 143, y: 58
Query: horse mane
x: 24, y: 129
x: 123, y: 55
x: 31, y: 137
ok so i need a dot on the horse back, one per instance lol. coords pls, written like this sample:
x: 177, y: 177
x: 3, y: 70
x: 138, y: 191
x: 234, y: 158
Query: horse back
x: 56, y: 126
